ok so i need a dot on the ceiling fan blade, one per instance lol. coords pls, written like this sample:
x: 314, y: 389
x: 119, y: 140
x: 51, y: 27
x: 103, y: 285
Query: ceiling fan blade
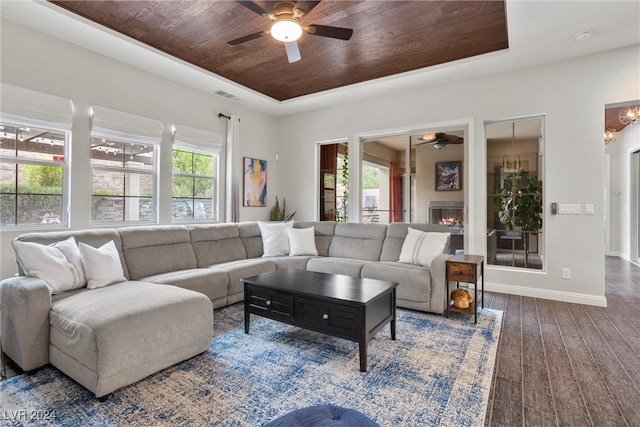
x: 327, y: 31
x: 247, y: 38
x: 254, y: 7
x: 306, y: 6
x: 293, y: 52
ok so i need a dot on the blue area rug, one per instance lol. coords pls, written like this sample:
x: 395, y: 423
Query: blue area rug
x: 437, y: 372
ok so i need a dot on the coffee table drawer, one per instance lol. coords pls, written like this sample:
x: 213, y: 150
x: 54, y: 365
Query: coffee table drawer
x: 272, y: 304
x: 335, y: 319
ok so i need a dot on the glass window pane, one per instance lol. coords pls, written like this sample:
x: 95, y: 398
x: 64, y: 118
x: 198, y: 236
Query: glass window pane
x: 8, y: 177
x: 182, y: 186
x: 40, y: 179
x: 39, y: 209
x: 107, y: 208
x: 202, y: 164
x: 204, y: 208
x: 203, y: 188
x: 182, y: 208
x: 182, y: 162
x: 107, y: 183
x: 108, y: 152
x: 7, y: 209
x: 41, y: 144
x: 138, y: 184
x: 138, y: 209
x: 8, y: 140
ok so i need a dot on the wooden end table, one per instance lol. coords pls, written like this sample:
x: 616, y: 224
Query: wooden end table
x: 465, y: 268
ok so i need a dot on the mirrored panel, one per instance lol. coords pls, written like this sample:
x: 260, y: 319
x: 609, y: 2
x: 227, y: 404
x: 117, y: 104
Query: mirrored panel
x: 515, y: 235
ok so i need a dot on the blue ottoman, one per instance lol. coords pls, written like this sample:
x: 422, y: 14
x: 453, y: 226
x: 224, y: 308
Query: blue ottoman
x: 323, y: 416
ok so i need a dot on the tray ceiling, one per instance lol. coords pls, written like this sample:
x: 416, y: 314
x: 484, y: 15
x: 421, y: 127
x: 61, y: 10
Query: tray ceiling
x: 390, y: 37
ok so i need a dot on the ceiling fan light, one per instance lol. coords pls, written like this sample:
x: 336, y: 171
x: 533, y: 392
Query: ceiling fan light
x: 439, y: 145
x: 429, y: 137
x: 286, y: 30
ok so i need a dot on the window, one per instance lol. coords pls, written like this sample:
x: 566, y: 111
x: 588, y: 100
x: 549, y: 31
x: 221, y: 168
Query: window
x: 32, y: 174
x: 123, y: 166
x: 122, y: 181
x: 196, y: 172
x: 194, y: 183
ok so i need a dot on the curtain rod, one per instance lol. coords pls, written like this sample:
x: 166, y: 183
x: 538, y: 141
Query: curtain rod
x: 220, y: 115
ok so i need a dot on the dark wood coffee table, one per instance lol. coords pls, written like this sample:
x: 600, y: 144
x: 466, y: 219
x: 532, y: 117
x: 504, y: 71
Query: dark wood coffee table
x: 341, y: 306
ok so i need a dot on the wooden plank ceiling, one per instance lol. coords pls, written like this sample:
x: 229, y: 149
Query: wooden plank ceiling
x: 389, y: 37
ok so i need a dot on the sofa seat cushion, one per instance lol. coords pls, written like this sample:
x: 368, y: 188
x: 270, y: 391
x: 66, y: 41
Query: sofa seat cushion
x: 110, y: 337
x: 237, y: 270
x: 414, y: 282
x: 298, y: 262
x: 335, y: 265
x: 212, y: 283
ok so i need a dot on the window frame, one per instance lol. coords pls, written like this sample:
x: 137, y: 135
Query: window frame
x: 153, y: 173
x: 215, y: 178
x: 17, y: 121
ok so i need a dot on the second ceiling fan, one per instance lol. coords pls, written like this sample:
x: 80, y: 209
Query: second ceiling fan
x: 439, y: 140
x: 287, y: 25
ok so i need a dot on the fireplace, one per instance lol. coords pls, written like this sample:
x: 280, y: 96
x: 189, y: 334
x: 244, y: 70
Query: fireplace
x: 446, y: 213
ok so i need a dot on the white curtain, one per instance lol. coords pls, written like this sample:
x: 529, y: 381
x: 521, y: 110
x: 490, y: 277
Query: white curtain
x: 233, y: 170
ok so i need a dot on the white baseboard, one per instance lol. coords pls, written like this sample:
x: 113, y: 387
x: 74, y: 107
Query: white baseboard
x: 547, y: 294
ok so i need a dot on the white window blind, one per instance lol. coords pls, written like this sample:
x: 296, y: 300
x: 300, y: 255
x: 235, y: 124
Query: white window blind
x: 196, y: 139
x: 115, y: 124
x: 42, y: 109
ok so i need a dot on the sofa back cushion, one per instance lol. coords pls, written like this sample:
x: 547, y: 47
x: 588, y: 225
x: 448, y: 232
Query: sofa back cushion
x: 156, y: 249
x: 95, y: 238
x: 323, y: 230
x: 358, y: 241
x: 251, y: 238
x: 397, y: 231
x: 216, y: 243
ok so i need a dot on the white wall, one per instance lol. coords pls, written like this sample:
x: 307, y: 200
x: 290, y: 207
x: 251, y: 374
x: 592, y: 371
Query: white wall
x: 627, y: 142
x: 571, y: 94
x: 39, y: 62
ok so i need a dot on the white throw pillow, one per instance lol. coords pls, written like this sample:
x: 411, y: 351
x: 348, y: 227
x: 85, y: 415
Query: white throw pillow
x: 420, y: 248
x: 101, y: 265
x: 59, y: 264
x: 275, y: 241
x: 302, y: 241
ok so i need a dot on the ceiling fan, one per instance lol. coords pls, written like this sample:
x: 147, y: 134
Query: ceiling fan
x: 439, y: 140
x: 287, y: 25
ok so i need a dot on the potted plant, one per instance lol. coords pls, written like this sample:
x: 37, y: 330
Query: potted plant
x: 519, y: 206
x: 278, y: 214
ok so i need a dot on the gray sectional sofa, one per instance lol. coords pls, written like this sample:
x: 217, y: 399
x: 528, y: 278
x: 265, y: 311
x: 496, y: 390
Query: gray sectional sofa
x: 113, y: 336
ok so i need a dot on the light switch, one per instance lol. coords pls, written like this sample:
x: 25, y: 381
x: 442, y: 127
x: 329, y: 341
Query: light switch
x: 589, y: 209
x: 569, y: 209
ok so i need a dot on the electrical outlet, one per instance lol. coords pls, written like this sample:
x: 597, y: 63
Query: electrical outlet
x: 566, y: 273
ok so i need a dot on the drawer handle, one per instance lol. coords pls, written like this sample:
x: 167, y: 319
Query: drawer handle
x: 268, y: 302
x: 325, y: 316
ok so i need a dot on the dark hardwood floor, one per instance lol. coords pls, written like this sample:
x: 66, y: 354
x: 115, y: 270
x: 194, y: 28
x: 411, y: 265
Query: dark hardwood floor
x: 562, y: 364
